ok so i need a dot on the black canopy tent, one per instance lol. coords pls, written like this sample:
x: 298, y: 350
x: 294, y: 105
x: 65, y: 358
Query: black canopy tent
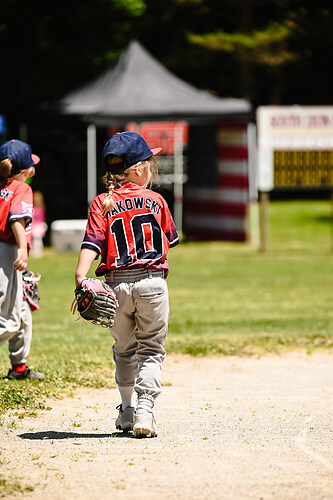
x: 138, y: 88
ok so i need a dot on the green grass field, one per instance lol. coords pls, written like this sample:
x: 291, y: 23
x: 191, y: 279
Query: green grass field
x: 225, y: 299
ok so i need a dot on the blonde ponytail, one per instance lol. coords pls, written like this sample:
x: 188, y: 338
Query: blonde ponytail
x: 5, y: 172
x: 109, y: 183
x: 112, y: 182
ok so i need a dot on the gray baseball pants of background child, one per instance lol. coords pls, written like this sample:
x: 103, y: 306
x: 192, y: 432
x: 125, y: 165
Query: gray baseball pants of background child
x: 140, y: 329
x: 15, y: 313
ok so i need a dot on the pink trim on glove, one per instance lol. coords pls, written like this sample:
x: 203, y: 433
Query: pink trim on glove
x: 93, y: 285
x: 97, y: 286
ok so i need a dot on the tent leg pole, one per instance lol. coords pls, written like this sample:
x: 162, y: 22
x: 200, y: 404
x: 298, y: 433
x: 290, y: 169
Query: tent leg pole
x: 178, y: 180
x: 91, y: 163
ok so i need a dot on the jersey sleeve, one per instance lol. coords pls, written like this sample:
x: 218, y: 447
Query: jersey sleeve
x: 169, y: 228
x: 95, y: 234
x: 21, y: 206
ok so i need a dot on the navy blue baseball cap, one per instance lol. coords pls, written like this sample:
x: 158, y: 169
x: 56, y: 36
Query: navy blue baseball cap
x: 131, y: 147
x: 20, y: 154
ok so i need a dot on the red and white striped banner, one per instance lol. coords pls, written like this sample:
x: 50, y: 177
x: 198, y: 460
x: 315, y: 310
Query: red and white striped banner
x: 220, y: 212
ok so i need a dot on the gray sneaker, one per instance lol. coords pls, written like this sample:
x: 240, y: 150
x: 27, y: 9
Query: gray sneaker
x: 144, y: 424
x: 124, y: 420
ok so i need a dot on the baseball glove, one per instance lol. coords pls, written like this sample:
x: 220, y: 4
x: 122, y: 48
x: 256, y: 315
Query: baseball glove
x: 96, y: 302
x: 30, y: 289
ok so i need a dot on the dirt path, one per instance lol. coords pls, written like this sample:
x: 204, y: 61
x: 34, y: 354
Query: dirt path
x: 228, y: 428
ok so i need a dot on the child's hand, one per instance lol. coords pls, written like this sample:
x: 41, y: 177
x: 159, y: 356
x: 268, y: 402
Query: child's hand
x: 22, y: 259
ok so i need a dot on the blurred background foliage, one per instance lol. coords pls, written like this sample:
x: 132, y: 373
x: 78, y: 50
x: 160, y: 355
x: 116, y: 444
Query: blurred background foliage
x: 267, y: 51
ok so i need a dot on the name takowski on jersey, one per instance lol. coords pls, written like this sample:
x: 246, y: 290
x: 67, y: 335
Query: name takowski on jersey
x: 134, y: 204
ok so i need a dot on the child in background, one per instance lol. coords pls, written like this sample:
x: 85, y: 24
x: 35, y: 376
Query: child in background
x: 38, y: 226
x: 131, y: 228
x: 17, y: 164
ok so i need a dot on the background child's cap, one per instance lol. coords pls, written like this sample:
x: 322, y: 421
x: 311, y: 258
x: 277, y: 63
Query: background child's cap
x: 20, y: 154
x: 130, y: 146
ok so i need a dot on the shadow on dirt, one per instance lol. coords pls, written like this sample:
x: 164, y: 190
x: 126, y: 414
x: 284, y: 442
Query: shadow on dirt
x: 72, y: 435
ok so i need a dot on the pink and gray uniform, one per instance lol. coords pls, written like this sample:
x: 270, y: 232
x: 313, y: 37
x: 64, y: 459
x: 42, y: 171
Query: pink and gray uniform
x: 15, y: 204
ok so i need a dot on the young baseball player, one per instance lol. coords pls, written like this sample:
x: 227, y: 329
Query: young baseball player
x: 131, y: 228
x: 16, y: 166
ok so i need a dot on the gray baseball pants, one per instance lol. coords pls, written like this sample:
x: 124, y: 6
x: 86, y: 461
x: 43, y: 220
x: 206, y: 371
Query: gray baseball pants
x: 15, y: 313
x: 140, y: 329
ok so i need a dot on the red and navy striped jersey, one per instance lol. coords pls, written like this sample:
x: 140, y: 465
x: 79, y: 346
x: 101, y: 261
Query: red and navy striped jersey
x: 136, y: 234
x: 15, y: 204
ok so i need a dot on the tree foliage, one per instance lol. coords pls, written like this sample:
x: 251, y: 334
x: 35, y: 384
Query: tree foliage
x: 268, y: 51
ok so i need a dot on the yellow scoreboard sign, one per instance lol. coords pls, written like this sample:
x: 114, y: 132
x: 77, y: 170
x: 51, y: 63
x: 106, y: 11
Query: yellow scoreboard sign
x: 298, y: 169
x: 295, y: 147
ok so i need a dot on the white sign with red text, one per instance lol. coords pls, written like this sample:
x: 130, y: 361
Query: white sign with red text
x: 290, y: 128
